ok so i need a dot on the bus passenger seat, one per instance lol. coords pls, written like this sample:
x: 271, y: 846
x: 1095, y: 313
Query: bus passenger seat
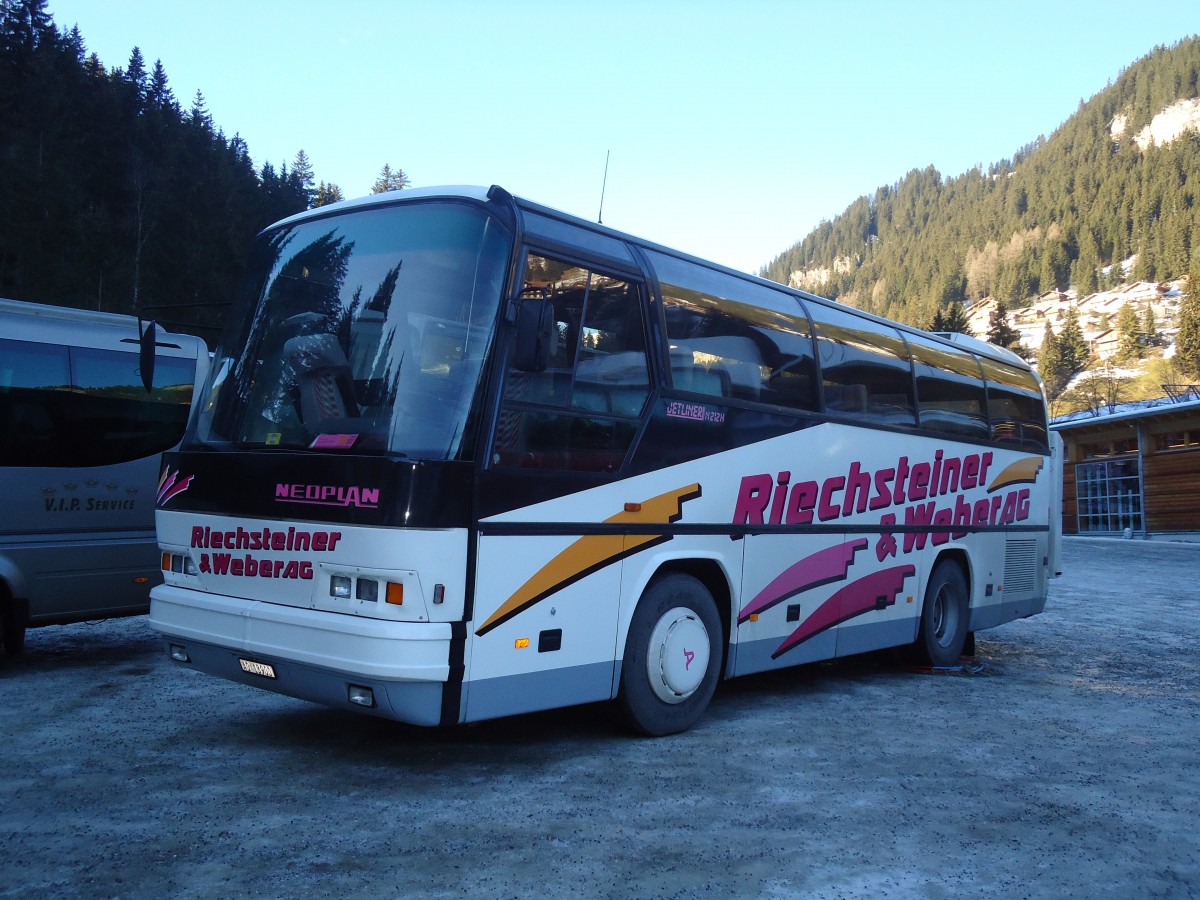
x: 714, y: 381
x: 846, y: 397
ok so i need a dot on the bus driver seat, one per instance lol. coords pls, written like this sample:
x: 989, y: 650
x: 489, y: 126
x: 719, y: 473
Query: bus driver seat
x: 323, y: 376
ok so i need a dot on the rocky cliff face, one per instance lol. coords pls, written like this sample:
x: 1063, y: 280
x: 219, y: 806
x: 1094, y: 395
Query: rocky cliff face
x: 1167, y: 126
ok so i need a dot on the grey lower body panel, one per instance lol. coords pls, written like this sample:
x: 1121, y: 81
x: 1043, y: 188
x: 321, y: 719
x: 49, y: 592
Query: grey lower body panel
x: 492, y: 698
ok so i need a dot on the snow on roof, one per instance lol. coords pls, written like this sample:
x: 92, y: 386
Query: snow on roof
x: 1136, y: 409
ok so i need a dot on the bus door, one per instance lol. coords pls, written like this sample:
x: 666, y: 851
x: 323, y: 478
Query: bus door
x: 547, y: 600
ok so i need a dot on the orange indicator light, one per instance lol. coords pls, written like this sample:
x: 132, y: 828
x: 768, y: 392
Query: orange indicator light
x: 521, y: 643
x: 141, y: 579
x: 166, y: 562
x: 633, y: 507
x: 753, y: 617
x: 395, y: 594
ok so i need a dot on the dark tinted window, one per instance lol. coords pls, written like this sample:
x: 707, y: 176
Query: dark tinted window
x: 950, y: 392
x: 581, y: 412
x: 865, y: 367
x: 72, y: 406
x: 733, y: 338
x: 1016, y: 409
x: 543, y: 227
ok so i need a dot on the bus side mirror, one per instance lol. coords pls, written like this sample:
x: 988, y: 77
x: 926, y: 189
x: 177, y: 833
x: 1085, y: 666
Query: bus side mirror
x: 146, y: 355
x: 536, y: 335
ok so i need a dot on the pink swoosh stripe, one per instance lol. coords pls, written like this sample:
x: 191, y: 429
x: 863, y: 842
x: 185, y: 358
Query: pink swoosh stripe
x: 823, y: 567
x: 870, y: 593
x: 176, y: 490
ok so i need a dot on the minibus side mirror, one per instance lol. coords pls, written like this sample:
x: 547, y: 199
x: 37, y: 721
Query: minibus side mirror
x: 536, y: 335
x: 146, y: 355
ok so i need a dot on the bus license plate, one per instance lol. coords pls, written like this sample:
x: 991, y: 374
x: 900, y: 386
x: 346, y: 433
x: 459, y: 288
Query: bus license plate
x: 257, y: 668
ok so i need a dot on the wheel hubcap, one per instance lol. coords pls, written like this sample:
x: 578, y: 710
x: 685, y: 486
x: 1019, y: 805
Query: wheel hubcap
x: 678, y: 656
x: 945, y: 618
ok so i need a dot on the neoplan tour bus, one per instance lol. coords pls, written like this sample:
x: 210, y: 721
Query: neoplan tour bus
x: 462, y: 456
x: 81, y: 438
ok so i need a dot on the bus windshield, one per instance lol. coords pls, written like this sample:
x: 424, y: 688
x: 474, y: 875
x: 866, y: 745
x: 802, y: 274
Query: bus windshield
x: 364, y: 331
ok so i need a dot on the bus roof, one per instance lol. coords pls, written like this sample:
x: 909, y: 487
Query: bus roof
x: 43, y: 323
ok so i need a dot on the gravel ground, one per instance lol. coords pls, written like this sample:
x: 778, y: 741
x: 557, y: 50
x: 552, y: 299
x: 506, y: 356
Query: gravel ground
x: 1064, y: 764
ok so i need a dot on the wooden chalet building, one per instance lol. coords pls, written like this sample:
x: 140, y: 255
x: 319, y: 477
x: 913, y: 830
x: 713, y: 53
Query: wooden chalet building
x: 1134, y: 471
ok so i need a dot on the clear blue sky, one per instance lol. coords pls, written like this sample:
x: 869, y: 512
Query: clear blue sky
x: 734, y: 127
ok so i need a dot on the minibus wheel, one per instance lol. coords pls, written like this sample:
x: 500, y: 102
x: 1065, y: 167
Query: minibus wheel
x: 672, y: 656
x: 12, y: 623
x: 943, y: 631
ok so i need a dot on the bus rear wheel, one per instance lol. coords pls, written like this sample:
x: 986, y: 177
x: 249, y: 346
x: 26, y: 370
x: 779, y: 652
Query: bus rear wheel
x: 943, y: 631
x: 672, y: 657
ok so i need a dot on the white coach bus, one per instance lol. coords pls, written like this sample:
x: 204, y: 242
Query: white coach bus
x: 462, y: 456
x: 81, y: 440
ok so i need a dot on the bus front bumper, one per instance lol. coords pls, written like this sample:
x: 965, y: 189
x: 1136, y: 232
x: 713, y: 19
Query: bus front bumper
x: 314, y: 655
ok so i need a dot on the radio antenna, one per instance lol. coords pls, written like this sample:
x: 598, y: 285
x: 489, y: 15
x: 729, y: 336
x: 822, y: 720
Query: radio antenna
x: 603, y: 185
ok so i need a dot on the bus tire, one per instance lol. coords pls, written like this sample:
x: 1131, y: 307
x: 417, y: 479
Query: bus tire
x: 943, y: 631
x: 672, y: 657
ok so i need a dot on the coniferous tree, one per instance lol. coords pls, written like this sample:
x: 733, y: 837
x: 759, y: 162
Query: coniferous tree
x: 1187, y: 340
x: 27, y: 25
x: 1129, y: 333
x: 302, y: 178
x: 389, y: 180
x: 1000, y: 332
x: 199, y: 115
x: 1149, y: 327
x: 327, y: 194
x: 138, y: 80
x: 1072, y: 346
x: 158, y: 94
x: 1083, y: 274
x: 1050, y: 364
x: 952, y: 320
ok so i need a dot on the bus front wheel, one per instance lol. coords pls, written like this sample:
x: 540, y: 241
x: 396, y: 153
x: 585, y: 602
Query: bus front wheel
x: 672, y: 657
x: 943, y: 631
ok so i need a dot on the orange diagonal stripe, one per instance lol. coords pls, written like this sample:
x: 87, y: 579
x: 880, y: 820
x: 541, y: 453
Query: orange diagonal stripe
x: 592, y: 552
x: 1023, y: 471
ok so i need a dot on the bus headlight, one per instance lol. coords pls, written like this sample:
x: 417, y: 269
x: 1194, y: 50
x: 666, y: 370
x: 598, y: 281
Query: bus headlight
x: 339, y: 586
x: 179, y: 564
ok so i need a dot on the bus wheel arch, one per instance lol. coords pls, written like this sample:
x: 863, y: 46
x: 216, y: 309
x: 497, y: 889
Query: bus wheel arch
x: 674, y: 652
x: 942, y: 631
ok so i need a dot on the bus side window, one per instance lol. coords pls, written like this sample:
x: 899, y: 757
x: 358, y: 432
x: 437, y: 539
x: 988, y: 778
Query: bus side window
x: 1015, y: 407
x: 80, y: 406
x: 580, y: 413
x: 950, y: 390
x: 731, y: 338
x: 31, y: 375
x: 865, y: 368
